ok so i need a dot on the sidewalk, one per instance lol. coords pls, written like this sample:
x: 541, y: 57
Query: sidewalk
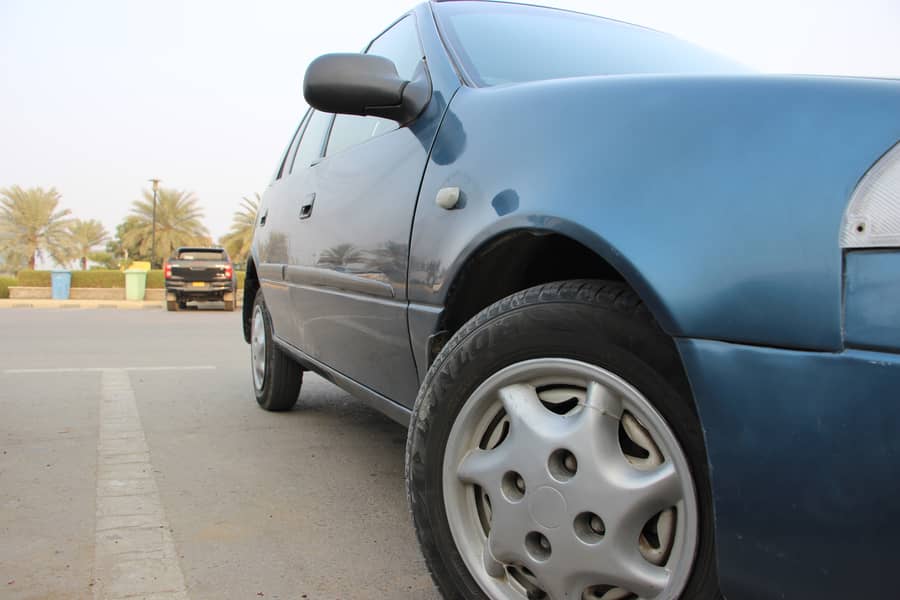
x: 117, y: 304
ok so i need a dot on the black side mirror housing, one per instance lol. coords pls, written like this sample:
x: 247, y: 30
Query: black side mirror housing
x: 366, y: 85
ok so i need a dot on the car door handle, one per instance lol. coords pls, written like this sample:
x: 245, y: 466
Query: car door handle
x: 307, y: 206
x: 262, y: 219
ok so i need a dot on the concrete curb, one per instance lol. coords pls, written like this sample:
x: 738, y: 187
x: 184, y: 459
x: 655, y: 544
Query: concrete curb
x: 88, y: 304
x: 82, y: 304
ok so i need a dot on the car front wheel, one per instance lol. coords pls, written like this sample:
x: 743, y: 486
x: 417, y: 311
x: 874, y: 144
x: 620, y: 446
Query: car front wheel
x: 555, y: 453
x: 275, y: 376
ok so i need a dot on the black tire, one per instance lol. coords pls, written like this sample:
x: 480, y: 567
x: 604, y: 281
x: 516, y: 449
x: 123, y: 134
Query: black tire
x: 229, y: 305
x: 173, y: 305
x: 283, y: 375
x: 602, y: 323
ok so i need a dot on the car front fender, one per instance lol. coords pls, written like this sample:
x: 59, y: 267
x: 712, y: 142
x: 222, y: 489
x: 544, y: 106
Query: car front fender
x: 719, y: 198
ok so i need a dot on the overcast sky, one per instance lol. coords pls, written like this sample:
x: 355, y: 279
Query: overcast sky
x: 97, y: 96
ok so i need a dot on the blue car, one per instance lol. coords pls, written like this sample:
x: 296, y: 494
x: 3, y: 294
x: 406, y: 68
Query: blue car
x: 639, y: 307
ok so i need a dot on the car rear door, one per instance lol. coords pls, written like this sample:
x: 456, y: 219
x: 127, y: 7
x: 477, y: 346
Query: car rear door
x: 348, y: 275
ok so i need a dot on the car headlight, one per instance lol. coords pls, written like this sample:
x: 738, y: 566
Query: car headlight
x: 872, y: 219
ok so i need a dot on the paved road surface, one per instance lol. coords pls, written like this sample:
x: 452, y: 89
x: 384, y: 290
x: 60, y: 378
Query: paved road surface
x: 120, y: 477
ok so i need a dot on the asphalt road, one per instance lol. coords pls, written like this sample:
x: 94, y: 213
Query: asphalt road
x: 122, y: 477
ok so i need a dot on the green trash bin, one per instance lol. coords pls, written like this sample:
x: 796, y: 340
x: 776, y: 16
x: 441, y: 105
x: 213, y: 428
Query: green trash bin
x: 135, y: 284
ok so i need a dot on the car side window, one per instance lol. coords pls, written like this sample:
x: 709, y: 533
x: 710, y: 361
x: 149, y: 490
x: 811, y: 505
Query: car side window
x: 400, y: 43
x: 310, y: 146
x: 287, y: 155
x: 292, y: 150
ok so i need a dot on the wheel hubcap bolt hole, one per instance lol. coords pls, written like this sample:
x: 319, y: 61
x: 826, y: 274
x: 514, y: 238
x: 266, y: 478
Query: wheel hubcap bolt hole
x: 513, y: 486
x: 538, y: 546
x: 563, y: 465
x: 589, y: 528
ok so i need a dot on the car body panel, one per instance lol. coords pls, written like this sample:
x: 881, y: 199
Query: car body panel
x: 804, y: 452
x: 347, y: 262
x: 365, y: 197
x: 347, y: 274
x: 872, y: 298
x: 719, y: 199
x: 659, y: 175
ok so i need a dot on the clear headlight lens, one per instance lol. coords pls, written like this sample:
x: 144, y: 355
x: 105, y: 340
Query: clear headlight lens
x: 872, y: 219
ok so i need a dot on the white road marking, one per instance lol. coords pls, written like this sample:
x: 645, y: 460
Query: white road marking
x: 135, y: 554
x: 105, y: 369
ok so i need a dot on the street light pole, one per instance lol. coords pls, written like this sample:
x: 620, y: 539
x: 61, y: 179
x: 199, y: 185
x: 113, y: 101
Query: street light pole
x: 155, y: 183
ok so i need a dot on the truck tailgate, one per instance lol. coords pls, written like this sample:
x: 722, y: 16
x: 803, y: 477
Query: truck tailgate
x: 199, y: 270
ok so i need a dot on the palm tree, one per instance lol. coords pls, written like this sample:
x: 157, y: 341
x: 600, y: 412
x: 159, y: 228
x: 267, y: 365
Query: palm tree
x: 178, y: 223
x: 32, y: 225
x: 237, y: 242
x: 84, y: 236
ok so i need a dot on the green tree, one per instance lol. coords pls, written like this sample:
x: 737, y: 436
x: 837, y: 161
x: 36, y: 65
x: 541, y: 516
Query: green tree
x: 106, y: 260
x: 32, y: 225
x: 178, y: 223
x: 118, y: 249
x: 12, y: 259
x: 84, y: 236
x: 238, y: 240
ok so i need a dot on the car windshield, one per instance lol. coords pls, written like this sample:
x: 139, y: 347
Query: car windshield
x: 201, y: 255
x: 498, y: 43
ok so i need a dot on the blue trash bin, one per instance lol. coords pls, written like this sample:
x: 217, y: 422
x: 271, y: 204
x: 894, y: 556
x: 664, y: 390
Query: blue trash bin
x: 61, y: 282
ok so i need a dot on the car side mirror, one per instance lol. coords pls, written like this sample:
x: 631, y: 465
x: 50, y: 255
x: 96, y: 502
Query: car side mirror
x: 366, y: 85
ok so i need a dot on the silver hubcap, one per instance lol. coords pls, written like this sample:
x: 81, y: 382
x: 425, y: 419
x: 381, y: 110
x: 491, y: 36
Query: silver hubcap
x: 258, y: 348
x: 562, y: 481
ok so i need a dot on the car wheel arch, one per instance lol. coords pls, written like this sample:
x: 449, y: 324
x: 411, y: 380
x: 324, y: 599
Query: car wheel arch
x: 519, y: 257
x: 251, y: 284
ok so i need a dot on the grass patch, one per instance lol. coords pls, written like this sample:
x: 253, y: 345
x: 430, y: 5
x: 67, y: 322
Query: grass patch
x: 29, y: 278
x: 98, y: 278
x: 5, y: 284
x: 156, y: 279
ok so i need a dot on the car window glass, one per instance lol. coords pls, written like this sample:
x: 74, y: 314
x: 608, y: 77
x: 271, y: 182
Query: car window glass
x: 350, y: 130
x: 201, y: 255
x: 543, y: 43
x: 401, y: 45
x: 288, y: 153
x: 310, y: 147
x: 292, y: 149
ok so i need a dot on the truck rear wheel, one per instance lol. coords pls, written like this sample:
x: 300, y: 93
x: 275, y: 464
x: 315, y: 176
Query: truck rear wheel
x: 276, y: 377
x: 228, y: 298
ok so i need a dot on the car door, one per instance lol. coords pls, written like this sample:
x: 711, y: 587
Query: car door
x: 348, y: 276
x: 278, y: 216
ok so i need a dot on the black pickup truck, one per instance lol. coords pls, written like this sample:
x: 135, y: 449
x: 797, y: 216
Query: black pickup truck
x: 204, y: 274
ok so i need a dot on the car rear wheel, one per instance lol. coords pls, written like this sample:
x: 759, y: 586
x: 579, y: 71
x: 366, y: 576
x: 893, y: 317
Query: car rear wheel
x: 275, y: 376
x: 555, y: 453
